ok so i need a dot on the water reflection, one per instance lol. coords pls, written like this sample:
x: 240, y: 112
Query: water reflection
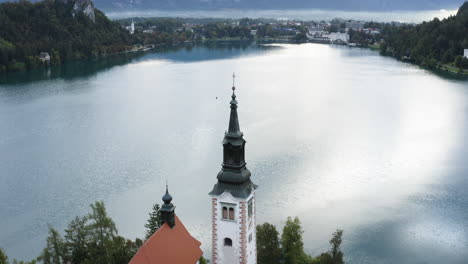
x: 192, y: 52
x: 342, y: 138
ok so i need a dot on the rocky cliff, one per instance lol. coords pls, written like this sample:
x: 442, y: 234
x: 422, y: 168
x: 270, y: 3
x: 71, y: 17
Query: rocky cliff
x: 85, y: 6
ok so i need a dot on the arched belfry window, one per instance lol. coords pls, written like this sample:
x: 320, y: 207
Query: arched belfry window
x: 225, y: 212
x: 227, y: 242
x: 228, y: 211
x: 231, y: 213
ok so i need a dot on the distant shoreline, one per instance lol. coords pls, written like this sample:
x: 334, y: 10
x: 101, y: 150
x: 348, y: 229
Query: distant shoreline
x: 407, y: 16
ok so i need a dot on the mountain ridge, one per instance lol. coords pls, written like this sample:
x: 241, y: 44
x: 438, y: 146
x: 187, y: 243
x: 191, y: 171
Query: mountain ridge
x: 211, y: 5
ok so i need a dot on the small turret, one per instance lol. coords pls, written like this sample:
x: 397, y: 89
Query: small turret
x: 167, y: 210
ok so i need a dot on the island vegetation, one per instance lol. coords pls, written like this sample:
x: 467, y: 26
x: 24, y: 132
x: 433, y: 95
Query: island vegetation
x: 289, y: 247
x: 93, y: 238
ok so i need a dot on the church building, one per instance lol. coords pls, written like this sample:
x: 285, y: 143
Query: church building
x: 233, y: 201
x: 171, y: 243
x: 232, y: 208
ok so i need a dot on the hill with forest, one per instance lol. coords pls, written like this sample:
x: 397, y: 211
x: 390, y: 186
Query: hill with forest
x: 344, y: 5
x: 433, y: 44
x: 64, y: 29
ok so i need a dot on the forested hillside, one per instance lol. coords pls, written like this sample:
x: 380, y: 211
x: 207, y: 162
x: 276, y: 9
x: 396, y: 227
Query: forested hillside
x: 430, y: 43
x: 64, y: 29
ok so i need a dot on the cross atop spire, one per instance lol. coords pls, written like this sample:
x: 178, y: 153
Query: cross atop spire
x: 233, y: 81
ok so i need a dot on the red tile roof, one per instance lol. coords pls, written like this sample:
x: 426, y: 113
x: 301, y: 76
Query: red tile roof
x: 169, y: 246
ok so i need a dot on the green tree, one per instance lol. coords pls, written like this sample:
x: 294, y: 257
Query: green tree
x: 335, y: 242
x: 77, y: 239
x: 103, y: 231
x: 54, y: 251
x: 3, y: 257
x: 154, y: 221
x: 461, y: 62
x: 324, y: 258
x: 202, y: 260
x: 334, y: 255
x: 291, y: 241
x: 122, y: 250
x: 268, y: 244
x: 430, y: 42
x: 50, y: 26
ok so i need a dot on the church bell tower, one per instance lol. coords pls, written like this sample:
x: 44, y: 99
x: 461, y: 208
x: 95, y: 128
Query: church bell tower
x: 233, y: 201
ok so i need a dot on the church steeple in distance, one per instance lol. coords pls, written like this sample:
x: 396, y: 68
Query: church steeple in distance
x: 234, y: 176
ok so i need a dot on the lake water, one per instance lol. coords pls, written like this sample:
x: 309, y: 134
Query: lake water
x: 340, y: 137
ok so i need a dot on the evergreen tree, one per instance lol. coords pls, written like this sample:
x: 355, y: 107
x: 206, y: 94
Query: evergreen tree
x: 122, y: 250
x: 335, y: 242
x: 268, y: 244
x: 103, y: 231
x: 28, y: 28
x: 154, y: 221
x: 77, y: 239
x: 291, y: 240
x: 3, y: 257
x: 334, y: 256
x: 430, y: 42
x: 54, y: 251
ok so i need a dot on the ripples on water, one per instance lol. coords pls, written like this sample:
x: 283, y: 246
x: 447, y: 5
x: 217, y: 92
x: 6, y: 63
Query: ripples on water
x: 342, y: 138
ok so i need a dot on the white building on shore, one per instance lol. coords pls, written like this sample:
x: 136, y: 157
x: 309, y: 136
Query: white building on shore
x: 337, y: 37
x: 131, y: 28
x: 466, y: 53
x: 327, y: 37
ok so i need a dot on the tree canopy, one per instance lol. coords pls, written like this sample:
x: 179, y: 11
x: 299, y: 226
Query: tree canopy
x: 430, y: 42
x: 154, y: 221
x: 268, y: 244
x: 27, y: 29
x: 3, y: 257
x: 290, y: 249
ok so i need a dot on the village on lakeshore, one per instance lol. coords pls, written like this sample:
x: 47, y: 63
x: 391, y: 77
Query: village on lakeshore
x: 336, y: 31
x: 347, y: 32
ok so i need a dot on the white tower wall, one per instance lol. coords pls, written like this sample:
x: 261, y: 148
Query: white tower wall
x: 241, y: 231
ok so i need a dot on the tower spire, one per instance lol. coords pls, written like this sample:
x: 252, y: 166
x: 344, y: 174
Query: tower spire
x: 234, y: 129
x: 233, y: 200
x: 167, y: 209
x: 234, y: 176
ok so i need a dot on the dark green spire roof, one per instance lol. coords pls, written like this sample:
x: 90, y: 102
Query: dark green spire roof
x: 234, y: 129
x: 167, y: 210
x: 234, y: 176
